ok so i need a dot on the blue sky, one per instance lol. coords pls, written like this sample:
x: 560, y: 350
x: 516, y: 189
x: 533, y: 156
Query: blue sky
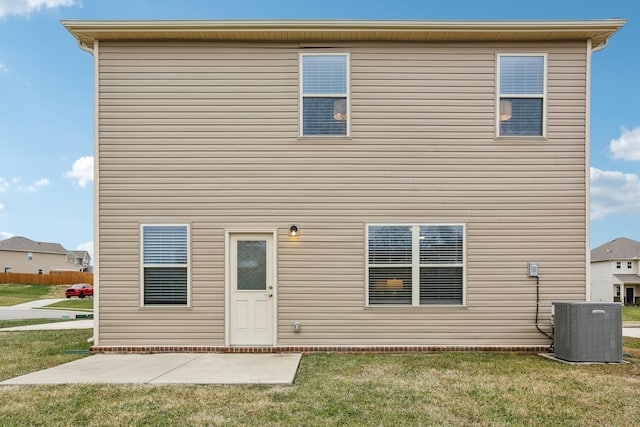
x: 46, y: 99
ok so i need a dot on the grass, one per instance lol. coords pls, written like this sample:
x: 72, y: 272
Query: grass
x: 28, y: 351
x: 630, y: 314
x: 409, y: 389
x: 26, y: 322
x: 12, y: 294
x: 73, y: 304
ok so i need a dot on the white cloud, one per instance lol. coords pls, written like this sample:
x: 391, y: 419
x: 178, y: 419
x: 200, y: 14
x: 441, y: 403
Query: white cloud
x: 614, y: 192
x: 627, y: 147
x: 26, y: 7
x: 4, y: 184
x: 81, y: 171
x: 35, y: 185
x: 6, y: 235
x: 1, y: 215
x: 86, y: 246
x: 3, y: 68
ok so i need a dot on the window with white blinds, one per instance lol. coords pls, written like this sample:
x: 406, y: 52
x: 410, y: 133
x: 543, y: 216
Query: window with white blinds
x: 165, y: 264
x: 324, y: 94
x: 414, y: 265
x: 521, y: 94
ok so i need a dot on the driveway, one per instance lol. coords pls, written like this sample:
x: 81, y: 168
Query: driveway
x: 171, y: 368
x: 31, y: 310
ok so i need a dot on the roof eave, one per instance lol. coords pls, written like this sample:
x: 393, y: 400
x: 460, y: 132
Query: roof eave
x: 599, y: 31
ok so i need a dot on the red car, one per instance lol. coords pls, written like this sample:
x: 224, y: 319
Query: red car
x: 79, y: 290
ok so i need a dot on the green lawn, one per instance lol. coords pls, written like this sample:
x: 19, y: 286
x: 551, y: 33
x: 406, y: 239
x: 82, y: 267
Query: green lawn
x: 25, y: 322
x: 409, y: 389
x: 24, y: 352
x: 11, y: 293
x: 630, y: 314
x: 74, y: 304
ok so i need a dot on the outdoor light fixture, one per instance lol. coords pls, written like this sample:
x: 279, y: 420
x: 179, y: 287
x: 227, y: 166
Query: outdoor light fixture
x: 505, y: 110
x: 293, y: 231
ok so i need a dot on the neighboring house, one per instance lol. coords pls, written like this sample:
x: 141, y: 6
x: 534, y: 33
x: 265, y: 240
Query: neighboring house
x: 22, y: 255
x: 615, y: 272
x: 82, y: 259
x: 332, y: 185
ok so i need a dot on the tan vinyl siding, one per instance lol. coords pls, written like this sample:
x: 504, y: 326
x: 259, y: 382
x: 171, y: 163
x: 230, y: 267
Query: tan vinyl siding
x: 18, y: 262
x: 206, y: 134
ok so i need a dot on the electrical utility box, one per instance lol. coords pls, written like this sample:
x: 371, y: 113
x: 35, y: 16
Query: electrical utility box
x: 588, y: 331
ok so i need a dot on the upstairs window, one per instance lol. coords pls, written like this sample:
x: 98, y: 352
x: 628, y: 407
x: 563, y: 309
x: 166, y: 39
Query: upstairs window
x: 618, y: 264
x: 165, y: 264
x: 629, y: 265
x: 324, y: 94
x: 415, y: 265
x: 521, y: 94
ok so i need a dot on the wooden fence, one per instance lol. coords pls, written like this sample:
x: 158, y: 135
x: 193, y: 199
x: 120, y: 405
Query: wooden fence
x: 53, y: 278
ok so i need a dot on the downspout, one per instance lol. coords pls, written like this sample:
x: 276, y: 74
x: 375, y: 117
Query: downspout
x: 590, y: 50
x: 84, y: 46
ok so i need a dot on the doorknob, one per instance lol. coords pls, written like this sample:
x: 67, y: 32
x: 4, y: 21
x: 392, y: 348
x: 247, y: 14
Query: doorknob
x: 269, y: 294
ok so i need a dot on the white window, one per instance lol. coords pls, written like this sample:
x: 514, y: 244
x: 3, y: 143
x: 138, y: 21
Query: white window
x: 618, y: 264
x: 30, y: 256
x: 415, y: 265
x: 324, y: 94
x: 165, y: 264
x: 629, y: 265
x: 521, y: 107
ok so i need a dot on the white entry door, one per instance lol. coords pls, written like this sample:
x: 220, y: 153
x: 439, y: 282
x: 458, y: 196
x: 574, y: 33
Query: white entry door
x: 251, y: 303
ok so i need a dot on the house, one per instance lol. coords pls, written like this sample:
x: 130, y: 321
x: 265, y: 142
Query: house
x: 22, y: 255
x: 338, y: 185
x: 615, y: 272
x: 82, y: 259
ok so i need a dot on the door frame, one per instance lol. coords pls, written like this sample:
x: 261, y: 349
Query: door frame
x: 227, y: 279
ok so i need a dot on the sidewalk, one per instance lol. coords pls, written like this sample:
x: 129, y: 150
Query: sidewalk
x: 37, y: 303
x: 71, y: 324
x: 34, y: 310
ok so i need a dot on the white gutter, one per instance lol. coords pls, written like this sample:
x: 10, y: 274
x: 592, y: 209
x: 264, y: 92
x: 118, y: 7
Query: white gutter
x: 85, y: 47
x: 600, y: 46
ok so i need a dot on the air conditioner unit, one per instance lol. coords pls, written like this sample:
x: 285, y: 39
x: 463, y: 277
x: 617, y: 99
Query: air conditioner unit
x: 588, y: 331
